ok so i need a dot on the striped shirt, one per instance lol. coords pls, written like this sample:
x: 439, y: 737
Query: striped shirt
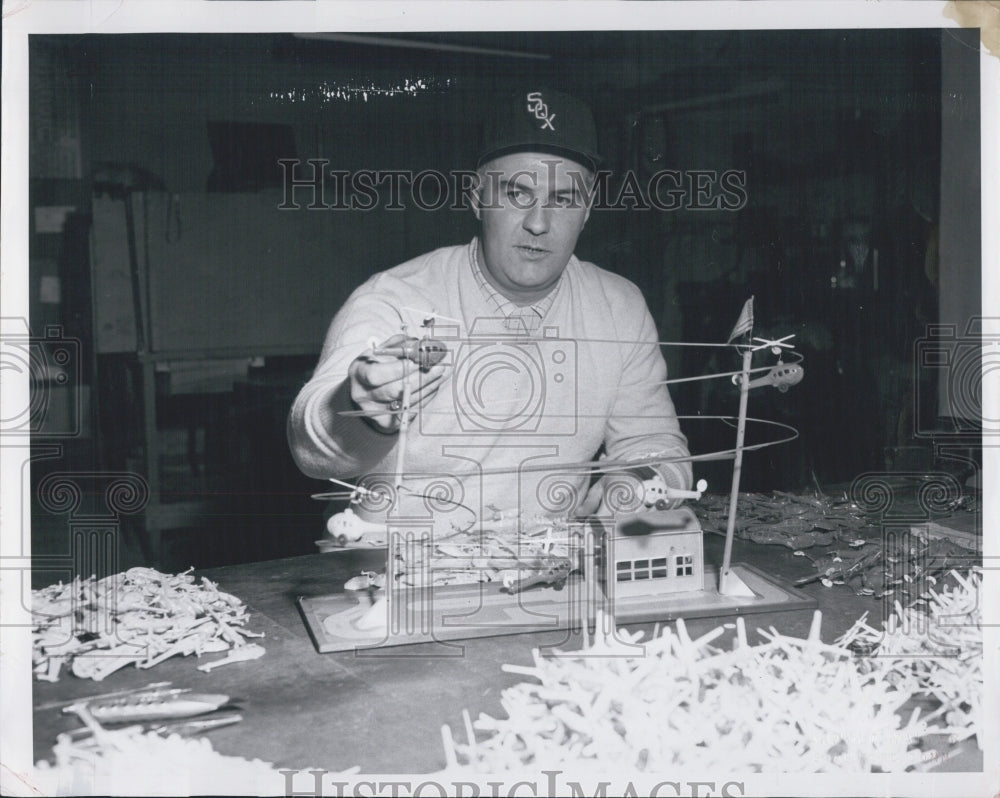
x: 524, y: 320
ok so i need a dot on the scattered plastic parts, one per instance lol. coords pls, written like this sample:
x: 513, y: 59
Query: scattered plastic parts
x: 242, y: 654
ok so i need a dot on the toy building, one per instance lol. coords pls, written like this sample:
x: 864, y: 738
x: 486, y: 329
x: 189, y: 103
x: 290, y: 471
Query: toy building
x: 652, y: 553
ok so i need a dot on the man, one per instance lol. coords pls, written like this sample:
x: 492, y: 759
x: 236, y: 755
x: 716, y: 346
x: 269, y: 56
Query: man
x: 551, y: 360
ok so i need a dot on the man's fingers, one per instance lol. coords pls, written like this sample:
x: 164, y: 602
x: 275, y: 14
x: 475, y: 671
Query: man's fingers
x: 376, y: 376
x: 428, y: 384
x: 420, y: 385
x: 377, y: 386
x: 418, y: 380
x: 378, y: 399
x: 392, y: 340
x: 387, y: 376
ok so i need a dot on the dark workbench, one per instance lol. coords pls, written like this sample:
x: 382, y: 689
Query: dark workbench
x: 384, y: 712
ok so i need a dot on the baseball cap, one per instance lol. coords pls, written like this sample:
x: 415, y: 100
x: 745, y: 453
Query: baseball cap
x: 540, y: 120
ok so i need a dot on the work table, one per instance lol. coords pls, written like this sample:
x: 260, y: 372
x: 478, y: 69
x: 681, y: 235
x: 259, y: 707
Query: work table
x: 383, y: 710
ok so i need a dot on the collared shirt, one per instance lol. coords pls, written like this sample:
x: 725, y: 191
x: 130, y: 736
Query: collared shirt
x: 527, y: 319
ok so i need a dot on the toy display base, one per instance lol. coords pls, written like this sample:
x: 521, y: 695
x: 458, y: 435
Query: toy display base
x: 342, y: 622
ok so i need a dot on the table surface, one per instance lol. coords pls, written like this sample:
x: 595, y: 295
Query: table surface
x: 384, y: 712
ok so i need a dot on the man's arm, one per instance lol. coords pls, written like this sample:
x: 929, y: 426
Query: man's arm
x: 324, y: 438
x: 643, y: 420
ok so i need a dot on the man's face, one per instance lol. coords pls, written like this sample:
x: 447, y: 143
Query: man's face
x: 532, y: 208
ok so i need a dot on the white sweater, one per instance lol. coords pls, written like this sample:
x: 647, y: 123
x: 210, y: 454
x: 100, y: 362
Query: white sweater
x: 513, y: 407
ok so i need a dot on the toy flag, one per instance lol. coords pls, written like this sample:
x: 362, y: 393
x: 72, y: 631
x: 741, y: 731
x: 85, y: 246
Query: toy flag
x: 744, y: 324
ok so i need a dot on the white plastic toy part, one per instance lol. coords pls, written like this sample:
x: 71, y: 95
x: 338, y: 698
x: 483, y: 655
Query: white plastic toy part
x: 700, y: 488
x: 656, y: 490
x: 653, y: 490
x: 366, y: 580
x: 346, y: 527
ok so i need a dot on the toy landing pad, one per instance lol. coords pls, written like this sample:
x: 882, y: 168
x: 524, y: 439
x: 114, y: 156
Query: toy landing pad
x: 460, y: 612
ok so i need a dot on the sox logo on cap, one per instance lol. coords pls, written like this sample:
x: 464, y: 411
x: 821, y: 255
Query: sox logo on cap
x: 541, y: 111
x: 524, y: 120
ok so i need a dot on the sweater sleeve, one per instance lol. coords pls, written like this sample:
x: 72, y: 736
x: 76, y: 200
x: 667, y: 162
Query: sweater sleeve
x: 324, y: 442
x: 643, y: 420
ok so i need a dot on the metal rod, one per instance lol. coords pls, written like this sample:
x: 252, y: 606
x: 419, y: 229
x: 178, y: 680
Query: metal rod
x: 404, y: 424
x: 737, y: 468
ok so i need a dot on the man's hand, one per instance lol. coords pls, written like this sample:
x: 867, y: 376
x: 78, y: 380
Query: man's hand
x: 608, y: 493
x: 652, y: 492
x: 611, y: 492
x: 377, y: 385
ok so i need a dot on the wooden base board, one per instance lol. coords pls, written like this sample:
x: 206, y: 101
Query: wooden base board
x: 461, y: 612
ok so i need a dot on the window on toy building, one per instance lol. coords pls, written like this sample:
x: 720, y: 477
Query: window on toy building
x: 683, y: 565
x: 629, y: 570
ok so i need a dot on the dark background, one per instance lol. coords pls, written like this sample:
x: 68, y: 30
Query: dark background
x: 835, y: 130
